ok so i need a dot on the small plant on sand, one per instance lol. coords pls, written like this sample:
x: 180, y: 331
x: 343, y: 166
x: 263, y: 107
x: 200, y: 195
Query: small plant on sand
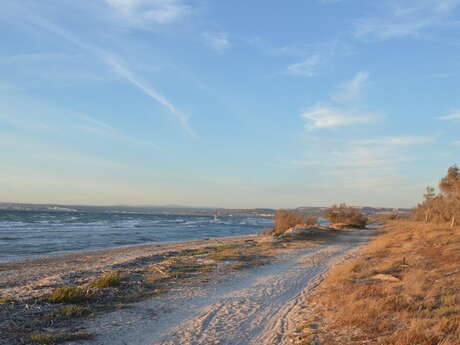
x: 68, y: 294
x: 192, y: 252
x: 72, y: 311
x: 110, y: 279
x: 55, y: 338
x: 6, y: 300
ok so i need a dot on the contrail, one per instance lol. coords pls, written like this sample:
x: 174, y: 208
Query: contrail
x: 118, y: 67
x: 148, y: 90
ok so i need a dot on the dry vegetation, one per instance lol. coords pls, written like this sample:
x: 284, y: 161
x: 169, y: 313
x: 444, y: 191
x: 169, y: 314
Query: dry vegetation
x: 285, y: 220
x: 401, y: 289
x: 345, y: 216
x: 445, y: 206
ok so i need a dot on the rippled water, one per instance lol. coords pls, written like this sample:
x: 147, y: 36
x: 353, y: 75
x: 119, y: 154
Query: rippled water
x: 29, y: 233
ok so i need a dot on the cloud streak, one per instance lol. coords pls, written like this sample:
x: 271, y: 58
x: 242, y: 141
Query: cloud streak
x: 455, y: 116
x: 305, y: 68
x: 324, y: 116
x: 405, y: 20
x: 141, y: 14
x: 119, y: 68
x: 217, y: 41
x: 352, y: 90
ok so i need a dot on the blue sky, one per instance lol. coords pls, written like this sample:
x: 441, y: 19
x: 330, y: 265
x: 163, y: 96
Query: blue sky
x: 228, y: 103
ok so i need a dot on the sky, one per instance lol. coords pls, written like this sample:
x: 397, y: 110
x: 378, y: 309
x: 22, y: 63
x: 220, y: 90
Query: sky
x: 227, y: 103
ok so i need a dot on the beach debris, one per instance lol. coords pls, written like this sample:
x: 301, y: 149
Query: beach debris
x: 386, y: 277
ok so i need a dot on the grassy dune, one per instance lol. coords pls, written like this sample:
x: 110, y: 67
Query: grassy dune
x: 403, y: 288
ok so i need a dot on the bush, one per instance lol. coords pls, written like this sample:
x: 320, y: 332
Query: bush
x: 284, y: 220
x: 110, y: 279
x: 72, y: 311
x: 68, y: 294
x: 346, y: 216
x: 310, y: 220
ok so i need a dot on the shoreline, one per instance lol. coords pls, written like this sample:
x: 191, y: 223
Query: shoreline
x: 144, y: 275
x: 13, y: 273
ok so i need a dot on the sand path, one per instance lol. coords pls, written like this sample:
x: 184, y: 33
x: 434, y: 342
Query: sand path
x: 256, y: 306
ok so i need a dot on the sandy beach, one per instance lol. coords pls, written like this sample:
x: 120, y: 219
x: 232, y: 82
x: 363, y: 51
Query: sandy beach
x: 252, y: 298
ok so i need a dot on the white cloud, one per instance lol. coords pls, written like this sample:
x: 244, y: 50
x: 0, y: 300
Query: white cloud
x: 407, y: 19
x: 118, y: 67
x: 352, y: 89
x: 324, y: 116
x: 362, y: 156
x: 396, y: 141
x: 447, y: 5
x: 305, y: 68
x: 124, y: 72
x: 217, y: 41
x: 455, y: 116
x: 142, y: 13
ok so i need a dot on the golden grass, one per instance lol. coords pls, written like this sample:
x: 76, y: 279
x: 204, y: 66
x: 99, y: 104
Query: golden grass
x: 109, y: 279
x: 68, y: 294
x: 403, y: 288
x: 56, y: 338
x: 72, y: 311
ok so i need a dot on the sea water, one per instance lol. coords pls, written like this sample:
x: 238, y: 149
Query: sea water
x: 25, y: 234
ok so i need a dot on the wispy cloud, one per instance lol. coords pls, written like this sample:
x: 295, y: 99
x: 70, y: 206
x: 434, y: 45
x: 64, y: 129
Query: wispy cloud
x: 217, y: 41
x: 305, y: 68
x: 49, y: 123
x: 98, y: 127
x: 455, y: 116
x: 351, y: 90
x: 408, y: 19
x: 119, y: 67
x: 324, y: 116
x: 379, y: 152
x: 397, y: 141
x: 123, y: 71
x: 362, y: 156
x: 383, y: 152
x: 144, y: 13
x: 24, y: 58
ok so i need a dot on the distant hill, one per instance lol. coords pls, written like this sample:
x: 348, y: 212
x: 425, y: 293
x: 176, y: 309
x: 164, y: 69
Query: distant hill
x: 180, y: 210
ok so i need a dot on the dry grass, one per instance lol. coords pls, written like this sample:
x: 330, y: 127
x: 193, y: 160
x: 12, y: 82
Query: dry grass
x: 68, y: 294
x: 72, y: 311
x: 56, y: 338
x: 403, y: 288
x: 109, y: 279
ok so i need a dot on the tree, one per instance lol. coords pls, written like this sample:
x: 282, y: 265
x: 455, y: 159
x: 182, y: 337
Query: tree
x: 444, y: 207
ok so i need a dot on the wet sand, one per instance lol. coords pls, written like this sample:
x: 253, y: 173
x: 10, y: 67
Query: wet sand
x: 34, y: 277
